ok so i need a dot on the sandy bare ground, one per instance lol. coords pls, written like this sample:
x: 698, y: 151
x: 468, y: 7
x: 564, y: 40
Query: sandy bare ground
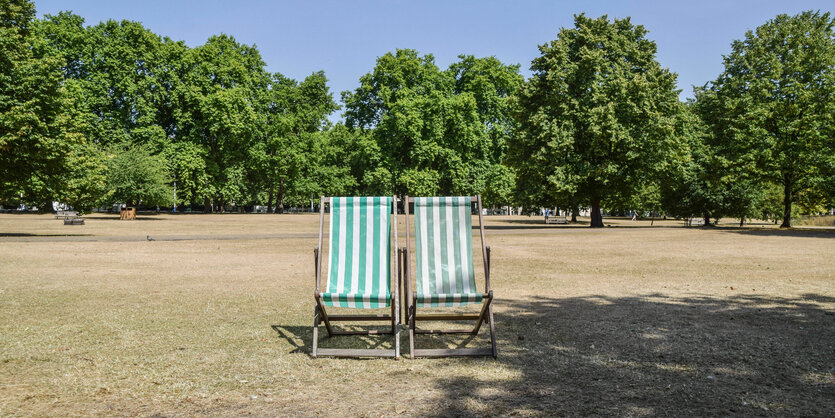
x: 213, y: 317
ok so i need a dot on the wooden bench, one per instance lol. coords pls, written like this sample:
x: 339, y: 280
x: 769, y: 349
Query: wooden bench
x: 66, y: 214
x: 76, y: 221
x: 694, y: 222
x: 557, y: 220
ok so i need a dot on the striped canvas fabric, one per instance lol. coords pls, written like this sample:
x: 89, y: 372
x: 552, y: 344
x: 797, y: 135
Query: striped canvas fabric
x: 443, y: 237
x: 359, y: 270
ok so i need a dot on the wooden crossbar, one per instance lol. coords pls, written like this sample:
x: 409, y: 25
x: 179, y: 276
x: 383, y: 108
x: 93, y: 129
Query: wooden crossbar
x: 453, y: 352
x: 357, y: 352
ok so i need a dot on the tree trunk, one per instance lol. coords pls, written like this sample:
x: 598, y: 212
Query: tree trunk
x: 270, y: 202
x: 596, y: 216
x: 574, y: 211
x: 280, y: 198
x: 207, y: 205
x: 787, y: 204
x: 707, y: 219
x: 741, y: 222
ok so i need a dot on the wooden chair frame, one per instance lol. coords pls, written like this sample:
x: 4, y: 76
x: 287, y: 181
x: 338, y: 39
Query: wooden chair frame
x: 321, y: 315
x: 485, y: 315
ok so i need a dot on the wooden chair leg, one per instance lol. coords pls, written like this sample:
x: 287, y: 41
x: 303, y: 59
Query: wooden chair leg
x: 412, y: 331
x: 484, y: 309
x: 492, y: 331
x: 395, y: 324
x: 315, y: 329
x: 324, y: 315
x: 397, y: 339
x: 393, y: 313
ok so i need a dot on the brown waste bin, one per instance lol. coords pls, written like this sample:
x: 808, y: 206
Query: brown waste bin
x: 127, y: 214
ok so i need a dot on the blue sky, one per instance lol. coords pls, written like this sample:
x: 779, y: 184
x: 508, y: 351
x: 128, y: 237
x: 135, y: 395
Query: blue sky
x: 344, y: 38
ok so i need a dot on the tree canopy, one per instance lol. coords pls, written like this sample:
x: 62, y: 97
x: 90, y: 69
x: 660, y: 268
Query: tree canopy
x: 44, y: 154
x: 775, y: 103
x: 113, y: 111
x: 437, y: 132
x: 597, y: 118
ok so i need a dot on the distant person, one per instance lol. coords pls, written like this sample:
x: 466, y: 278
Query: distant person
x: 634, y: 215
x: 547, y: 215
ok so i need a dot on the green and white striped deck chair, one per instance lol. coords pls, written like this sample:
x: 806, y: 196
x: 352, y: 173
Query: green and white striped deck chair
x: 359, y: 271
x: 445, y: 275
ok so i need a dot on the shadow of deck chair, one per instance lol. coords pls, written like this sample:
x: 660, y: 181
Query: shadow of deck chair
x: 444, y: 273
x: 359, y: 271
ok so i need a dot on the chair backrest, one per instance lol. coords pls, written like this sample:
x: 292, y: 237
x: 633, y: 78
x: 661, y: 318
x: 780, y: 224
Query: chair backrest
x: 360, y: 245
x: 444, y: 246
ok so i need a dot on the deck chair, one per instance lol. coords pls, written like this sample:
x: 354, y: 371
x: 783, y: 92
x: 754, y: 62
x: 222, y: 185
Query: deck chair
x: 444, y: 271
x: 359, y: 270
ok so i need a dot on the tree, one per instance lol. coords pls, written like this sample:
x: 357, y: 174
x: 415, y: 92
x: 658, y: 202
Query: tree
x: 217, y: 106
x: 710, y: 184
x: 492, y: 84
x: 44, y: 153
x: 124, y: 72
x: 597, y: 118
x: 777, y: 101
x: 287, y: 152
x: 432, y: 128
x: 136, y: 176
x: 499, y: 186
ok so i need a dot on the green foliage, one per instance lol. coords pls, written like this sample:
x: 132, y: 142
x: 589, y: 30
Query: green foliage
x: 44, y: 153
x: 499, y: 186
x: 599, y: 122
x: 217, y: 106
x: 598, y: 117
x: 187, y: 162
x: 136, y: 176
x: 288, y: 155
x: 710, y: 185
x: 776, y: 101
x: 437, y: 132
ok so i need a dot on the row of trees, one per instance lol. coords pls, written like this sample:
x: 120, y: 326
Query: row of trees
x: 600, y: 124
x: 113, y: 112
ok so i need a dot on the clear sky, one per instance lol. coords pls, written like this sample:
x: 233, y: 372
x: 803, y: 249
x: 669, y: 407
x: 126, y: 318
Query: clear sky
x: 344, y: 38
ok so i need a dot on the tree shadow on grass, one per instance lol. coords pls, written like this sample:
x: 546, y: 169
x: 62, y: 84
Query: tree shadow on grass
x: 146, y: 217
x: 26, y: 234
x: 773, y: 232
x: 656, y: 355
x: 300, y: 338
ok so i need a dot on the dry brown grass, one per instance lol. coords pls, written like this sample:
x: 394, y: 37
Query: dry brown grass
x: 825, y: 220
x: 214, y: 318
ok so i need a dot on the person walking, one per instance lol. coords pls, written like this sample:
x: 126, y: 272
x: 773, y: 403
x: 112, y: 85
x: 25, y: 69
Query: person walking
x: 547, y: 214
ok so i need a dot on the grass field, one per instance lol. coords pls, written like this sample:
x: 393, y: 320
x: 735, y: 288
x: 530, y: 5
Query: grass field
x: 214, y: 317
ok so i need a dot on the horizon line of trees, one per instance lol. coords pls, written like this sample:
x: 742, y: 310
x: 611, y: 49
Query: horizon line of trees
x: 91, y: 115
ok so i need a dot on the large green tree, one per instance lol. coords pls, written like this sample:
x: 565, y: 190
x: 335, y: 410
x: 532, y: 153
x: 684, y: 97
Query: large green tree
x: 437, y: 132
x: 137, y: 176
x: 776, y: 98
x: 710, y: 184
x: 287, y: 152
x: 492, y: 84
x: 125, y: 72
x: 44, y: 152
x: 597, y: 118
x: 218, y: 107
